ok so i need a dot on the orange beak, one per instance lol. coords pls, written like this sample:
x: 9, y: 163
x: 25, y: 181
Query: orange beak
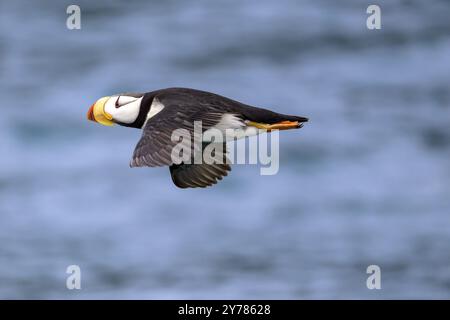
x: 90, y: 114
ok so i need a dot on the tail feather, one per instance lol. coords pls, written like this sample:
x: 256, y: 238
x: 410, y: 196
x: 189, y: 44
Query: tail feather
x: 266, y: 116
x: 294, y: 118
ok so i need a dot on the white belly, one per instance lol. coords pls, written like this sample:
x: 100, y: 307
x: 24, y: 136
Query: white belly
x: 233, y: 127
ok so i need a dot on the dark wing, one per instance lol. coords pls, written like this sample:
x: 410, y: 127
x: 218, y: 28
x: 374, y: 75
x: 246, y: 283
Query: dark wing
x: 155, y: 147
x: 201, y: 175
x: 198, y: 175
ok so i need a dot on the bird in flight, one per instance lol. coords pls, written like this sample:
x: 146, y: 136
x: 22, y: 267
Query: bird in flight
x: 159, y: 113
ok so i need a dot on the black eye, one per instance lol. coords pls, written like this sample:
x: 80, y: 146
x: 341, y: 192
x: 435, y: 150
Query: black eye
x: 117, y: 102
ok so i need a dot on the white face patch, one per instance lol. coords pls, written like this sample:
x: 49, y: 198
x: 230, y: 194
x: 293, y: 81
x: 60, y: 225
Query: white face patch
x: 127, y: 110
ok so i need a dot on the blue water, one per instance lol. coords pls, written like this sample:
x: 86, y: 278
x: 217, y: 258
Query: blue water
x: 367, y: 181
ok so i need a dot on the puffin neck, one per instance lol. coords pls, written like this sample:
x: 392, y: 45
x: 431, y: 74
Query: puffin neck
x: 144, y: 109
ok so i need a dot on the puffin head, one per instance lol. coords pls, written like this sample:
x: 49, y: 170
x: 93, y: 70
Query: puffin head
x: 123, y: 109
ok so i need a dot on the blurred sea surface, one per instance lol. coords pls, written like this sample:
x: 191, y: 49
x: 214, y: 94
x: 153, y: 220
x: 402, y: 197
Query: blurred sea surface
x: 367, y: 181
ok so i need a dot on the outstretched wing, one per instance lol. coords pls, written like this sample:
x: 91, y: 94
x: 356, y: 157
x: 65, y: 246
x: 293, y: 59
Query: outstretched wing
x: 198, y: 175
x: 205, y: 174
x: 155, y: 146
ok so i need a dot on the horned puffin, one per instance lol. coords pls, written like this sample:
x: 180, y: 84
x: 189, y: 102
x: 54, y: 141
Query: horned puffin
x: 159, y: 113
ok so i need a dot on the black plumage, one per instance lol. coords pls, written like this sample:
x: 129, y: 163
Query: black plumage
x: 182, y: 107
x: 201, y: 175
